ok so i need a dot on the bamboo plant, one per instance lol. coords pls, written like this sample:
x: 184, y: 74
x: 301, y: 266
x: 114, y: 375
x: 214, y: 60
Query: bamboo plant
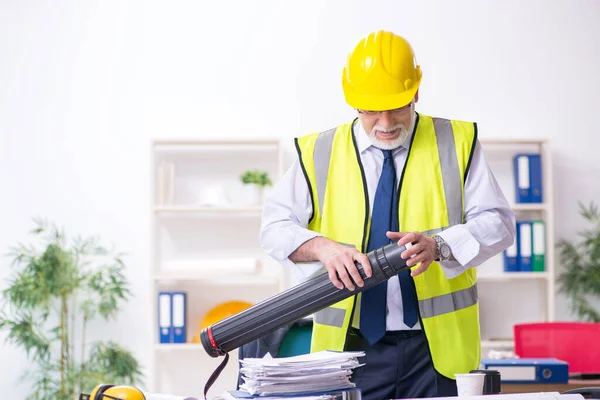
x: 55, y: 291
x: 581, y: 261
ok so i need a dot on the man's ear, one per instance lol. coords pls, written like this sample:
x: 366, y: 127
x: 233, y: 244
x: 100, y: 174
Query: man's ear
x: 417, y: 96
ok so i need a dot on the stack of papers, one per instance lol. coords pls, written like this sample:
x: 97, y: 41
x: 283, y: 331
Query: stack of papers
x: 307, y: 373
x: 325, y: 396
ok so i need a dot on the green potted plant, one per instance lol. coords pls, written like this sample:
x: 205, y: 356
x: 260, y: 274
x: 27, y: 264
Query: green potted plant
x: 254, y: 182
x: 581, y: 261
x: 55, y: 291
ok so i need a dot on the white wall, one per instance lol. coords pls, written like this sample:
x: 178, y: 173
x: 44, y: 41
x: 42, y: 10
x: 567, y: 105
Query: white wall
x: 84, y: 86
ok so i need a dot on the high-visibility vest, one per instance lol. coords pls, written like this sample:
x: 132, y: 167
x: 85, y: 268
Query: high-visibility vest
x: 431, y: 198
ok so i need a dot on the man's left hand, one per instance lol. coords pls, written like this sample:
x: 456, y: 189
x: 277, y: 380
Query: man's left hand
x: 423, y: 250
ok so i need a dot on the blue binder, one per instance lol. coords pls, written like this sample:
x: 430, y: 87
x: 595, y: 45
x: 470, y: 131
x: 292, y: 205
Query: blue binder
x: 524, y: 246
x: 535, y: 177
x: 510, y: 258
x: 179, y: 317
x: 527, y: 168
x: 529, y: 370
x: 522, y: 178
x: 165, y: 329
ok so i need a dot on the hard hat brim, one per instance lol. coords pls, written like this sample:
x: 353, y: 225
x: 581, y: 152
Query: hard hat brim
x: 381, y: 102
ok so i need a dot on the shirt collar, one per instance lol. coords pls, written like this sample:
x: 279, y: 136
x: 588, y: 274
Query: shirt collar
x: 363, y: 142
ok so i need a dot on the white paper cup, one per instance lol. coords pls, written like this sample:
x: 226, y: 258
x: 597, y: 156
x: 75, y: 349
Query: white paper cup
x: 469, y: 384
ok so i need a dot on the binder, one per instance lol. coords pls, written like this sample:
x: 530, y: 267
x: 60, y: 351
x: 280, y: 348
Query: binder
x: 179, y: 320
x: 510, y: 258
x: 538, y: 238
x: 164, y: 317
x: 535, y: 177
x: 524, y: 246
x: 529, y: 370
x: 527, y: 170
x: 522, y: 178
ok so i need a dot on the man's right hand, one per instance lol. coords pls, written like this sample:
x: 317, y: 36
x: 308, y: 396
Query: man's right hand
x: 339, y: 262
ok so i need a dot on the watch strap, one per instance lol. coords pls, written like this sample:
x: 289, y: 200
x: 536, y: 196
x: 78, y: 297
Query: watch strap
x: 440, y: 243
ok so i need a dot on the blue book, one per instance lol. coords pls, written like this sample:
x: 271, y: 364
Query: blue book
x: 535, y: 177
x: 529, y: 370
x: 524, y: 246
x: 522, y: 178
x: 165, y: 328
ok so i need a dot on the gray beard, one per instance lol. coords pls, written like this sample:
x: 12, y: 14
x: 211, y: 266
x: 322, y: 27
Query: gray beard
x: 389, y: 144
x: 392, y: 144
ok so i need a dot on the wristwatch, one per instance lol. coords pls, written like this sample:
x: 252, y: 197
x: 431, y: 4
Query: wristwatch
x: 444, y: 252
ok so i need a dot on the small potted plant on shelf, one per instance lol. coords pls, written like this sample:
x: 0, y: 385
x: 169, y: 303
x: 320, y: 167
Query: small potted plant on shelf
x: 581, y: 261
x: 254, y: 183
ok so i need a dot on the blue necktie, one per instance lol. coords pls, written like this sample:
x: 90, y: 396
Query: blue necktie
x: 384, y: 218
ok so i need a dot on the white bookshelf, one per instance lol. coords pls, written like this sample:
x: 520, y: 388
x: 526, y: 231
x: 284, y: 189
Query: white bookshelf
x: 529, y: 207
x: 200, y: 217
x: 508, y: 298
x: 514, y: 276
x: 207, y: 210
x: 498, y: 344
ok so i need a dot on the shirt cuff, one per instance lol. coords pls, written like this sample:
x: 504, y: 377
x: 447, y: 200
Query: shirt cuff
x: 284, y: 240
x: 302, y: 270
x: 464, y: 249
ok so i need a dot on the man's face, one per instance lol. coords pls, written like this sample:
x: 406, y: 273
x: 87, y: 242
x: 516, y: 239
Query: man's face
x: 388, y: 129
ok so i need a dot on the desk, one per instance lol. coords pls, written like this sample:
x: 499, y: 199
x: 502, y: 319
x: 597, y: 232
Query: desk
x: 548, y: 387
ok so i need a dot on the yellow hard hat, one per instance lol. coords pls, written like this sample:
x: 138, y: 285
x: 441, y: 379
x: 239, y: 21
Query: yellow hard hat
x: 112, y: 392
x: 123, y: 392
x: 222, y: 311
x: 381, y: 73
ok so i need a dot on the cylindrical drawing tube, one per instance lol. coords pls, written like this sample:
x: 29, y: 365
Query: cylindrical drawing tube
x: 297, y: 302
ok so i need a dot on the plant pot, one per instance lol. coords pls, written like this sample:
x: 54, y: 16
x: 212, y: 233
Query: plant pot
x: 251, y: 195
x: 266, y: 191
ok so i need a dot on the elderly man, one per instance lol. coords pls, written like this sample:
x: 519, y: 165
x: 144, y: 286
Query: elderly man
x: 393, y: 174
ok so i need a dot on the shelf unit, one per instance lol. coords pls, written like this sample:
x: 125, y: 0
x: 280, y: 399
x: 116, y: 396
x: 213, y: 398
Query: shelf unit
x: 203, y: 226
x: 507, y: 298
x: 207, y: 210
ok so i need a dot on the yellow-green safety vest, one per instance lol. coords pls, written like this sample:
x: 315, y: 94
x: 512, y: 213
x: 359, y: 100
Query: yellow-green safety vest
x: 431, y: 199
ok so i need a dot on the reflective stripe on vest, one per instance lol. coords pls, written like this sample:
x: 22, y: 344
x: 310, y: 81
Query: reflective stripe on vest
x: 450, y: 171
x: 448, y: 302
x: 331, y: 316
x: 452, y: 185
x: 322, y: 156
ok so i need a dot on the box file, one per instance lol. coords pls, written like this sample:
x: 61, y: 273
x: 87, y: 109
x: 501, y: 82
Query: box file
x: 521, y: 175
x: 527, y: 169
x: 179, y: 317
x: 172, y: 319
x: 510, y: 258
x: 535, y: 177
x: 538, y: 239
x: 524, y: 246
x: 529, y: 370
x: 164, y: 317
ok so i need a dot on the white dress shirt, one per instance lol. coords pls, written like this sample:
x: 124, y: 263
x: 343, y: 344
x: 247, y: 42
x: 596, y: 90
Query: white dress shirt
x: 488, y: 230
